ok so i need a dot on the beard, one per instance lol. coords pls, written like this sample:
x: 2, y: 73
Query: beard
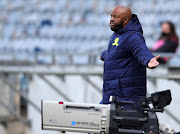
x: 117, y: 27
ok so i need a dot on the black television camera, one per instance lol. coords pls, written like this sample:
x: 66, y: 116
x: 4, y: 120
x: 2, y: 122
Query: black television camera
x: 138, y: 122
x: 105, y: 119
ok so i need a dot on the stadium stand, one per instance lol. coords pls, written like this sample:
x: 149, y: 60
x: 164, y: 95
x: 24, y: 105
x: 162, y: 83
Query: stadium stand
x: 73, y: 26
x: 74, y: 32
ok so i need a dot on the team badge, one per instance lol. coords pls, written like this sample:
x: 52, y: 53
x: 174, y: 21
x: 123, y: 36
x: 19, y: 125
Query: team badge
x: 116, y: 42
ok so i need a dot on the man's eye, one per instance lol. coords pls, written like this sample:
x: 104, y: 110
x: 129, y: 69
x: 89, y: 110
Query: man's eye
x: 114, y: 16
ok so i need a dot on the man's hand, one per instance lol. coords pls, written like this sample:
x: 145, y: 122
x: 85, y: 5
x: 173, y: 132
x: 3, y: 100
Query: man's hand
x: 152, y: 132
x: 153, y: 63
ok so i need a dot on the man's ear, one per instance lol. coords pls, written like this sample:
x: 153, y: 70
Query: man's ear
x: 125, y: 21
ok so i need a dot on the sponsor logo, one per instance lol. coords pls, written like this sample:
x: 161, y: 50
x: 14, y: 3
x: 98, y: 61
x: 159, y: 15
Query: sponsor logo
x: 90, y: 124
x: 53, y: 120
x: 116, y: 42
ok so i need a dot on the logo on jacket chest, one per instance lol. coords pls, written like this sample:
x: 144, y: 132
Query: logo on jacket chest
x: 115, y: 42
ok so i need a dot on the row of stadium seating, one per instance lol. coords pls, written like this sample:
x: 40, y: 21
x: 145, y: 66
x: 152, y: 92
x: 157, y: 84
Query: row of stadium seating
x: 74, y: 25
x: 98, y: 5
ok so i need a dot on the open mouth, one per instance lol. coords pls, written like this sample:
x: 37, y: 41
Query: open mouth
x: 111, y: 24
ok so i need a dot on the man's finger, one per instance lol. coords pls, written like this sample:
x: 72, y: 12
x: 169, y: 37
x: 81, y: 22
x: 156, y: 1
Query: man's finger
x: 157, y: 57
x: 152, y: 132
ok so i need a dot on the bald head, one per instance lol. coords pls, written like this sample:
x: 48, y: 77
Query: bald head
x: 120, y: 17
x: 122, y: 11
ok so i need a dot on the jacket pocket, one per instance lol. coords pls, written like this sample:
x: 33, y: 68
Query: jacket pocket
x: 111, y: 84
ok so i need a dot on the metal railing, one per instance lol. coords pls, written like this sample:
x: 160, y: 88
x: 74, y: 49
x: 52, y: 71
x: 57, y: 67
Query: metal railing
x: 58, y: 57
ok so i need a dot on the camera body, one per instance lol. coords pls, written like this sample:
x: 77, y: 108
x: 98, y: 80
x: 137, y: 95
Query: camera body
x: 105, y: 119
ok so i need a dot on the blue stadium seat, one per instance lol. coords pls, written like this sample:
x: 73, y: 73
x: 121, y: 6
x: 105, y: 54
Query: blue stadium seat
x: 64, y: 25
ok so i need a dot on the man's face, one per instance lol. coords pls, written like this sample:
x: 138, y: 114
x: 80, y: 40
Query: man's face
x: 116, y: 21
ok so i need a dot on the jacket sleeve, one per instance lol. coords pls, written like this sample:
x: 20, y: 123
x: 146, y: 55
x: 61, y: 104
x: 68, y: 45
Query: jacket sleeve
x: 103, y: 55
x: 137, y: 46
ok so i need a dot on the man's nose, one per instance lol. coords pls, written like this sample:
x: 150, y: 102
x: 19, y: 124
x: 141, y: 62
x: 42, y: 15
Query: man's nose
x: 112, y: 19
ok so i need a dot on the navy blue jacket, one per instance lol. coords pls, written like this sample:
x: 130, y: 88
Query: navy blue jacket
x: 125, y: 63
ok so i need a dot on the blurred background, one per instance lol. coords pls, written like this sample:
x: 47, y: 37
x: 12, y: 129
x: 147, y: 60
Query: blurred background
x: 49, y: 50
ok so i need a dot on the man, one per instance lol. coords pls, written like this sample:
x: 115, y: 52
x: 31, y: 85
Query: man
x: 126, y: 58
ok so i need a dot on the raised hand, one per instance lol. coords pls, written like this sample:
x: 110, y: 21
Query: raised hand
x: 153, y: 63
